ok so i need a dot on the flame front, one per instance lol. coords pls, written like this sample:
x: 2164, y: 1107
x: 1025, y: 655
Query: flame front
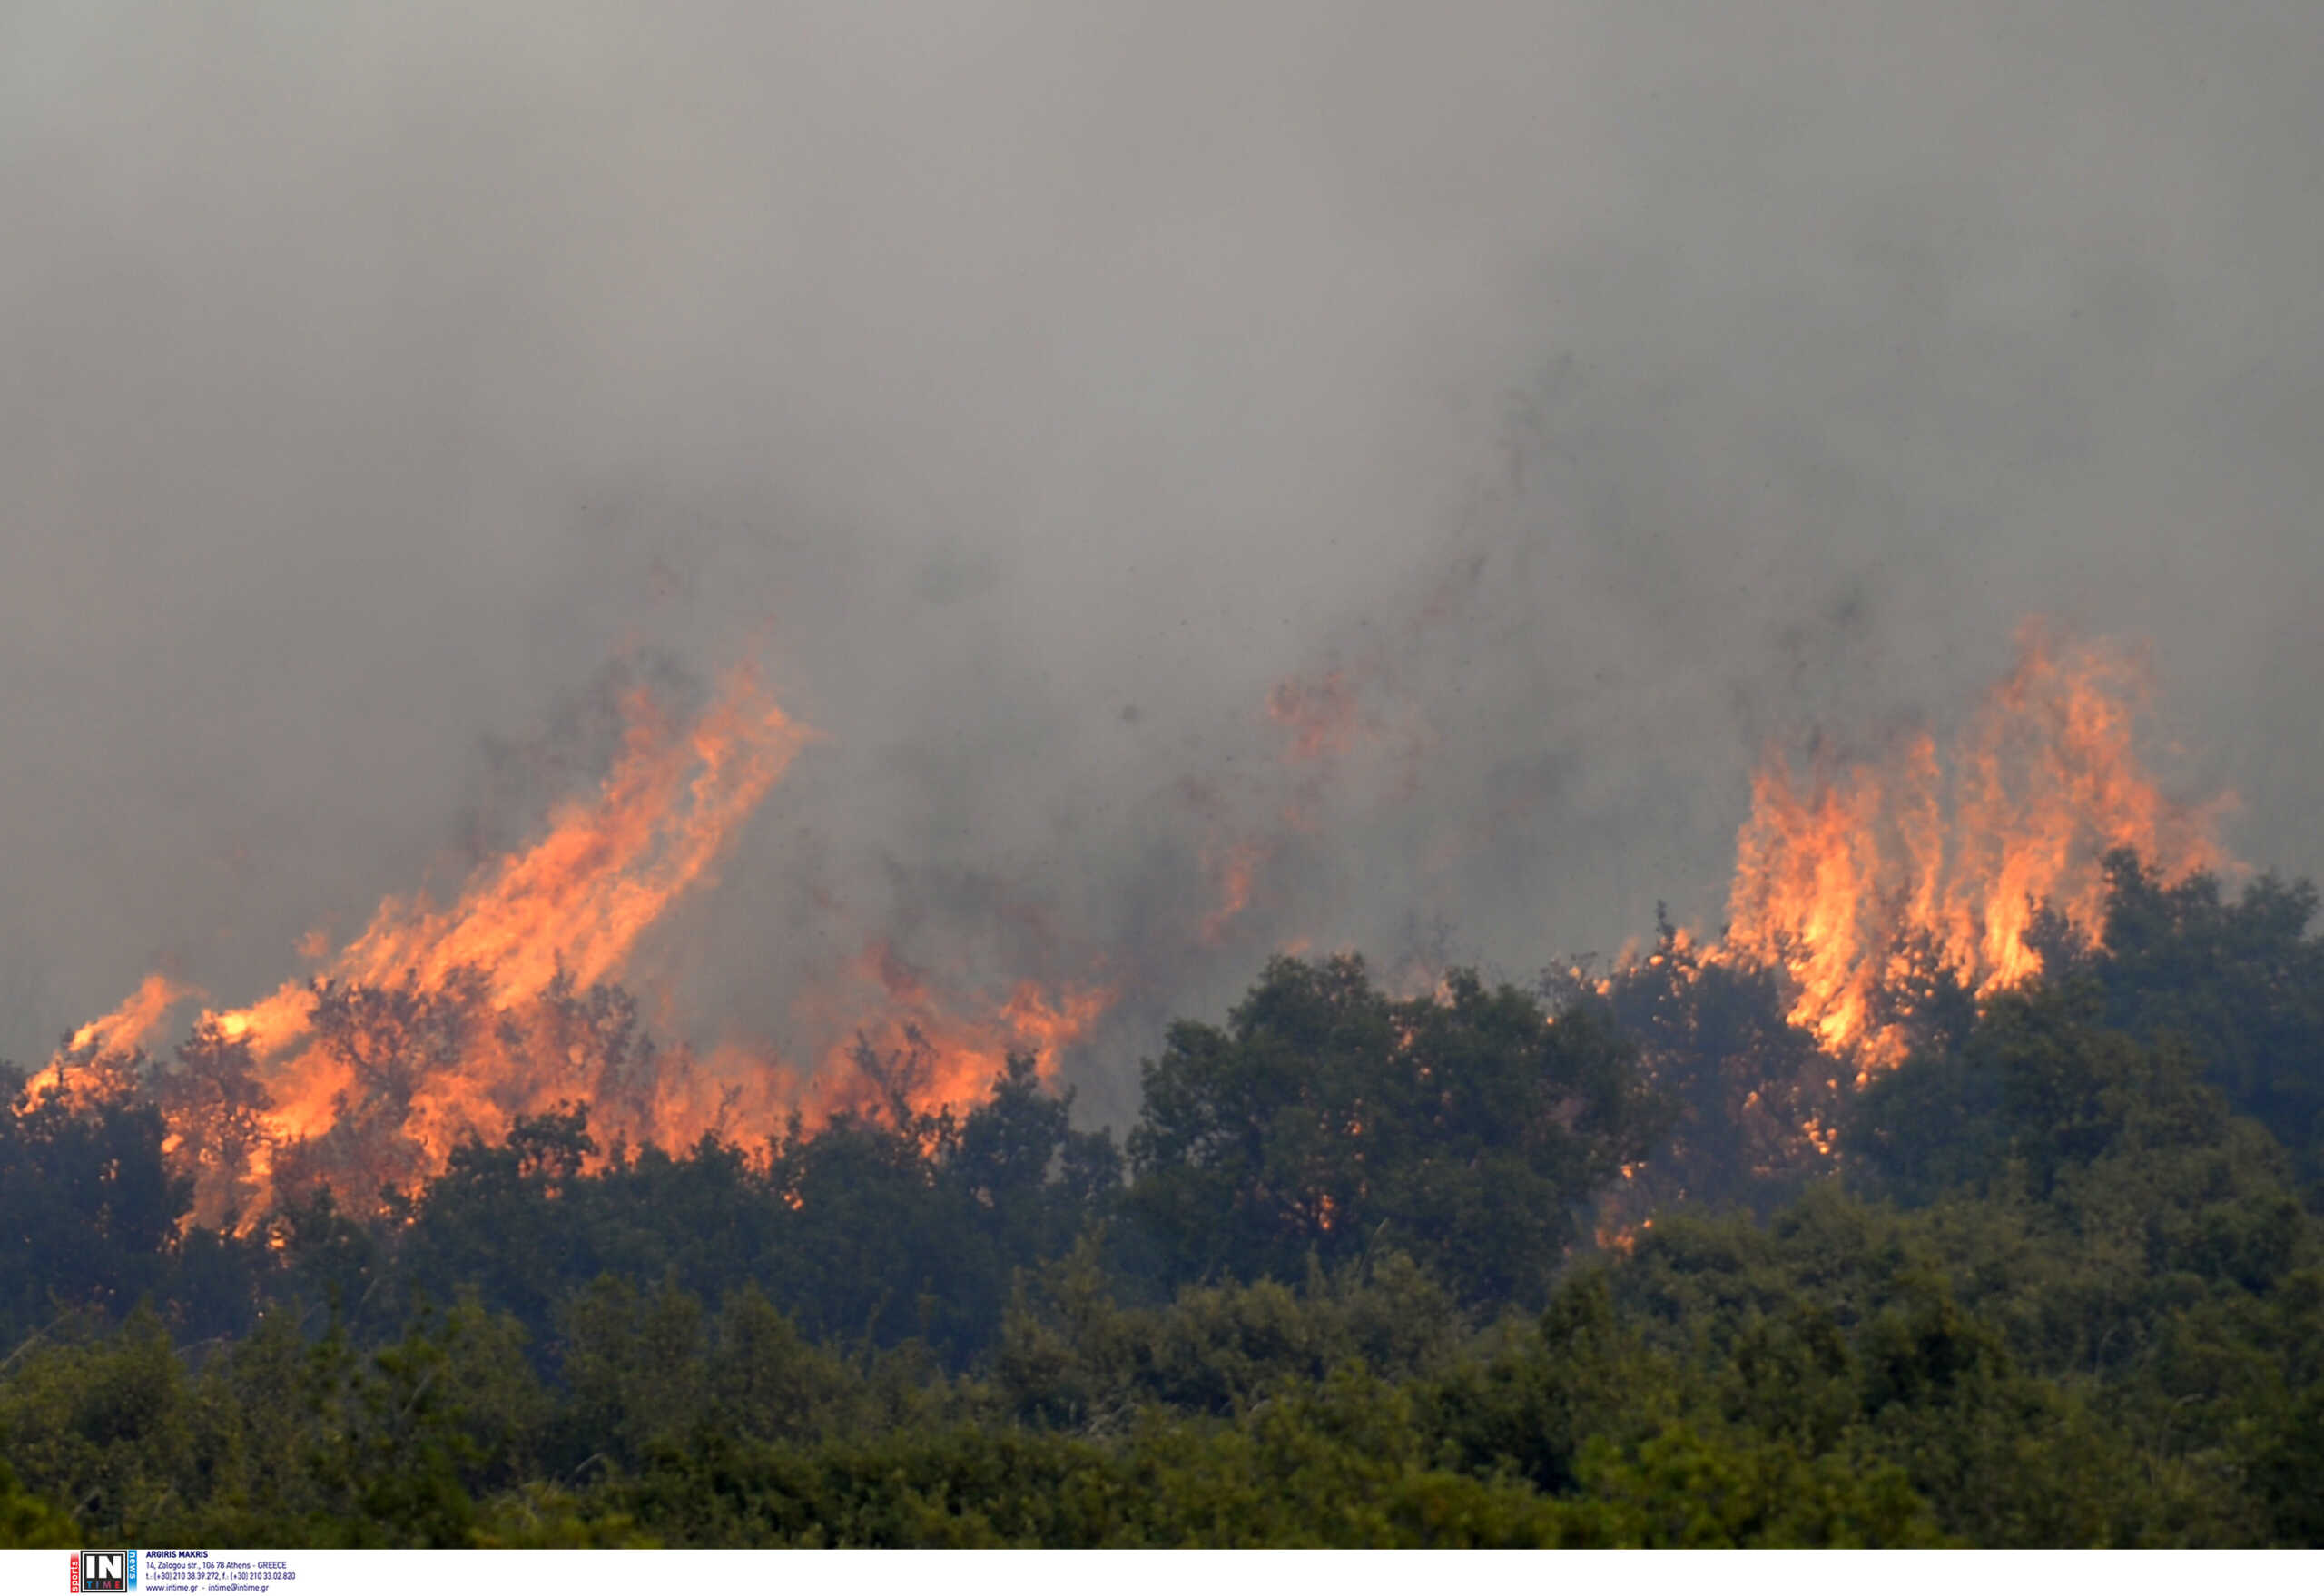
x: 1860, y: 880
x: 1864, y: 880
x: 437, y: 1023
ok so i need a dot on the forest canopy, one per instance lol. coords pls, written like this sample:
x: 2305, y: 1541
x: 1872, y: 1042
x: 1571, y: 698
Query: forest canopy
x: 1616, y: 1260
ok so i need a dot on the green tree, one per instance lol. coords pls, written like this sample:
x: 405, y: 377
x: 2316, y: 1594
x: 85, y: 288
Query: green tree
x: 27, y: 1521
x: 1468, y: 1126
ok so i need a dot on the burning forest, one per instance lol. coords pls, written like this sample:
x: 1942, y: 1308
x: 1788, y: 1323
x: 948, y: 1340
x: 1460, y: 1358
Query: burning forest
x: 1130, y: 775
x: 440, y: 1024
x: 1990, y: 977
x: 1879, y: 903
x: 1865, y: 892
x: 1870, y: 881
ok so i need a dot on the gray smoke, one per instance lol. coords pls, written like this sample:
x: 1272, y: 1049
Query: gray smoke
x: 1601, y: 389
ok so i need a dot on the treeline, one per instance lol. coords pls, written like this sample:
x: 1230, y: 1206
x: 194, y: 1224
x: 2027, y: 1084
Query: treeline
x: 1487, y: 1267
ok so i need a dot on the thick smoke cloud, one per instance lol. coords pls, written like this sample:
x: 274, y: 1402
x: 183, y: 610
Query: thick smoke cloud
x: 1599, y: 390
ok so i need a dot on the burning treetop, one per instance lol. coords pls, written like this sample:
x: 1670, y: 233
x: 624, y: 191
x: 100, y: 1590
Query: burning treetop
x: 1861, y: 887
x: 435, y: 1024
x: 1873, y: 878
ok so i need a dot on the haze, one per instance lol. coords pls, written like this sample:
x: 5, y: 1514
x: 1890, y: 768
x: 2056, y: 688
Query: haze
x: 1034, y: 387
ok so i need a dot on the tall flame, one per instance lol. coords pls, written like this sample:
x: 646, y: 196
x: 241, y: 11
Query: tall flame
x: 1860, y: 876
x: 437, y: 1022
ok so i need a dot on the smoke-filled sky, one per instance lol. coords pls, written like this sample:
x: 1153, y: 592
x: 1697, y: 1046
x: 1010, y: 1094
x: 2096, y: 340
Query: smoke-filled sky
x: 1600, y: 390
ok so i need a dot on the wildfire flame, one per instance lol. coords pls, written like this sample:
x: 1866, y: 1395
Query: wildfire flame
x: 1864, y: 878
x: 1232, y: 873
x: 435, y: 1024
x: 922, y: 1054
x: 129, y: 1025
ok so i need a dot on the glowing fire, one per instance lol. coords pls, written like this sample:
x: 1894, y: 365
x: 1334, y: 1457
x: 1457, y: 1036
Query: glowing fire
x: 1232, y: 873
x: 922, y: 1055
x: 434, y: 1024
x: 1865, y: 879
x: 133, y: 1021
x: 439, y: 1024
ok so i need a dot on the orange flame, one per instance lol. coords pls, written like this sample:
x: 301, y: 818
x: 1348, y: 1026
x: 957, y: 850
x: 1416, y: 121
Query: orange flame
x: 135, y: 1023
x: 1234, y: 873
x: 1848, y: 882
x: 921, y: 1056
x: 436, y: 1023
x: 104, y: 1059
x: 578, y: 899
